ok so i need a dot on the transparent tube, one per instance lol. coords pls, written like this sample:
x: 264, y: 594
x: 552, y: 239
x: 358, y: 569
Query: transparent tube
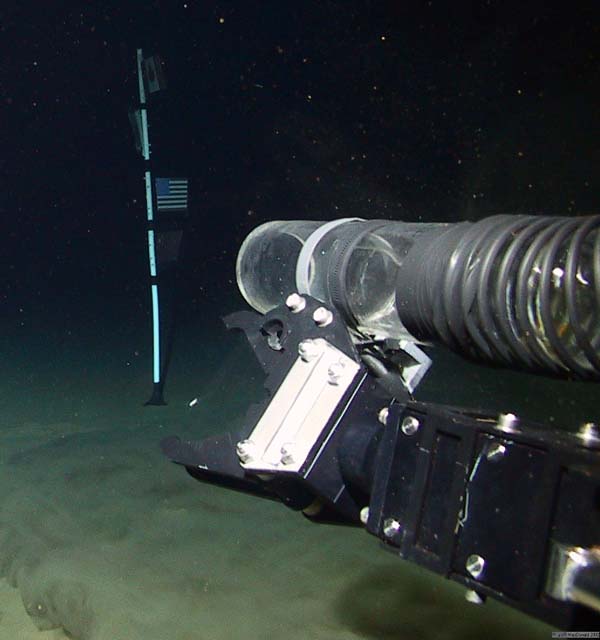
x: 519, y: 291
x: 354, y: 263
x: 266, y: 262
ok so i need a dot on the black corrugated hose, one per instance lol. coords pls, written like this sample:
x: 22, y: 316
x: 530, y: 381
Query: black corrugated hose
x: 518, y: 291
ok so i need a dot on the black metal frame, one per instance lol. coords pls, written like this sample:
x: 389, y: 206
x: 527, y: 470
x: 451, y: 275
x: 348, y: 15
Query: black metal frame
x: 442, y: 485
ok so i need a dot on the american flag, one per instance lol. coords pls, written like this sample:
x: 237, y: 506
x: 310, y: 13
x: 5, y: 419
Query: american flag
x: 171, y: 194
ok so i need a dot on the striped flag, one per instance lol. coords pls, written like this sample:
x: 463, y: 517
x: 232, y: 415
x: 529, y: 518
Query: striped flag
x: 171, y: 195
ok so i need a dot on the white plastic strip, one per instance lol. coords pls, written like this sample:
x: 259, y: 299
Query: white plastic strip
x: 151, y: 253
x: 143, y: 112
x: 149, y: 205
x: 145, y: 138
x: 156, y: 334
x: 305, y: 256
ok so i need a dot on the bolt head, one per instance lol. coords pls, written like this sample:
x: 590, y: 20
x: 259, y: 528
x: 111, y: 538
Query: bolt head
x: 383, y: 416
x: 287, y: 453
x: 496, y: 452
x: 295, y: 303
x: 309, y: 350
x: 322, y: 317
x: 364, y: 515
x: 335, y: 372
x: 410, y: 426
x: 391, y: 527
x: 475, y: 565
x: 245, y: 450
x: 508, y: 422
x: 589, y: 435
x: 472, y: 596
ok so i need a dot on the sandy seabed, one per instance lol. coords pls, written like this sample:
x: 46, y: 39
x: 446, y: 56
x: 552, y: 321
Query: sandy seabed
x: 101, y: 538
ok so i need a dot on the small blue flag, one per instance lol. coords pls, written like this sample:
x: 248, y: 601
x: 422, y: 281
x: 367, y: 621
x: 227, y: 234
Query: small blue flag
x: 171, y: 194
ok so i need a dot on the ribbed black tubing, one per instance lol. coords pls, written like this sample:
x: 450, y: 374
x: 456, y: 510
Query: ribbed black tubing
x: 517, y: 291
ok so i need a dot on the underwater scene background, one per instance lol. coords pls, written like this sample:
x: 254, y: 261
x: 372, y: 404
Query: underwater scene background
x: 315, y: 110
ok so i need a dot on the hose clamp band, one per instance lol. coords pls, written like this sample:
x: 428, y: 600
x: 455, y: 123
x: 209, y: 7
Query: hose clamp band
x: 304, y: 258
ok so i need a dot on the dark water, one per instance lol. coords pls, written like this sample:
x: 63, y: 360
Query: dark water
x: 313, y: 110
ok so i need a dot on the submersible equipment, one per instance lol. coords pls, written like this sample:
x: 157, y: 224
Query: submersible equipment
x: 502, y: 505
x: 518, y: 291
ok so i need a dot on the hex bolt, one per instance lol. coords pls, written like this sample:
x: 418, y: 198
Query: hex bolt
x: 391, y: 527
x: 475, y: 565
x: 383, y: 416
x: 322, y: 317
x: 508, y: 422
x: 364, y: 515
x: 410, y: 426
x: 335, y: 372
x: 496, y: 452
x: 309, y: 350
x: 245, y: 450
x: 295, y: 303
x: 472, y: 596
x: 287, y: 453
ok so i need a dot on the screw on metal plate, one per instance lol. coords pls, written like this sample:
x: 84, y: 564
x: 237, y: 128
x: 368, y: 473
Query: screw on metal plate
x: 287, y: 453
x: 295, y: 303
x: 391, y: 527
x: 335, y: 372
x: 496, y: 452
x: 475, y: 598
x: 322, y: 317
x: 309, y: 350
x: 383, y: 416
x: 410, y: 425
x: 508, y: 422
x: 475, y: 565
x: 245, y: 450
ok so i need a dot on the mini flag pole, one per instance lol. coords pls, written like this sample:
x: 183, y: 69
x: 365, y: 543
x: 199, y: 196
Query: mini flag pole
x: 166, y: 208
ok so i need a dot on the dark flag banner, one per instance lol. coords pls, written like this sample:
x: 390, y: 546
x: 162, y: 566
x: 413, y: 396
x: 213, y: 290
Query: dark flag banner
x: 168, y: 248
x: 153, y: 69
x: 135, y: 119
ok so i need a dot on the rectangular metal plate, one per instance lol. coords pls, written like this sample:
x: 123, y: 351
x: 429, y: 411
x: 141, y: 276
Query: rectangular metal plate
x: 300, y: 409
